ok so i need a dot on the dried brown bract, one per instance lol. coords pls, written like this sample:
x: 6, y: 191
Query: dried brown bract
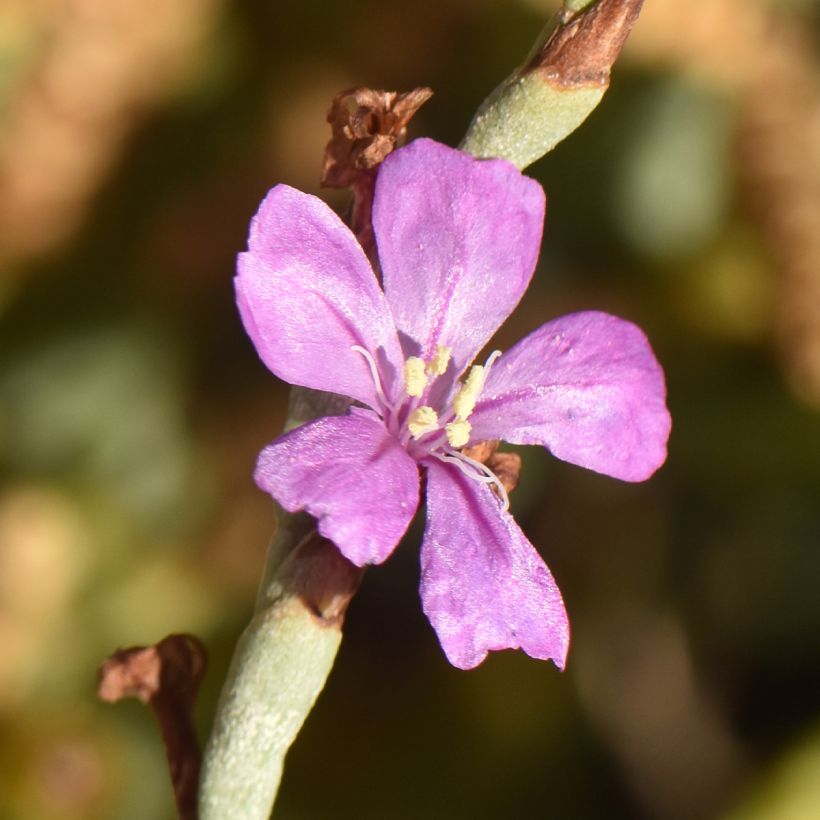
x: 323, y: 578
x: 367, y: 125
x: 583, y: 48
x: 507, y: 466
x: 166, y: 676
x: 482, y: 450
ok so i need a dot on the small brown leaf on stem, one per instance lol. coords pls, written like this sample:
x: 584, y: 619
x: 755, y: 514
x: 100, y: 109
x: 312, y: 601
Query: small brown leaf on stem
x: 366, y: 126
x: 582, y: 51
x: 166, y: 676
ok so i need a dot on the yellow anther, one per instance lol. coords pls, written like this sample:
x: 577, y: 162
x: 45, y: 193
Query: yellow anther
x: 422, y: 420
x: 458, y: 433
x: 438, y: 364
x: 467, y: 396
x: 415, y: 379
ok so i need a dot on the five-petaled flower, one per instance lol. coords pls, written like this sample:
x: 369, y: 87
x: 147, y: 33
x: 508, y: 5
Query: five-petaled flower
x: 458, y: 240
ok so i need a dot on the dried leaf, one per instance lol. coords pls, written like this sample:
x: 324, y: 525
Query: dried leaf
x: 367, y: 125
x: 166, y: 676
x: 507, y: 466
x: 481, y: 451
x: 324, y: 579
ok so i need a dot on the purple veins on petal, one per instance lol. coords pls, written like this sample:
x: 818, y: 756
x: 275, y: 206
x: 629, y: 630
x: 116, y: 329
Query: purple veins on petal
x: 352, y: 476
x: 458, y: 240
x: 588, y: 387
x: 307, y: 295
x: 483, y: 585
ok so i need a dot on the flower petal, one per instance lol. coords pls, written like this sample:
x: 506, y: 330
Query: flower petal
x: 588, y: 387
x: 458, y: 240
x: 352, y: 476
x: 307, y: 294
x: 483, y: 585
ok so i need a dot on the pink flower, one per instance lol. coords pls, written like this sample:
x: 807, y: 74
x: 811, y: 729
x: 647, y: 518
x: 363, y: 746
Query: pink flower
x: 458, y: 240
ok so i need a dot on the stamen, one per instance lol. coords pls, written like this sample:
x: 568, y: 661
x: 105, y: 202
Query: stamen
x: 437, y: 366
x: 415, y: 379
x: 490, y: 478
x: 374, y: 371
x: 489, y: 363
x: 467, y: 396
x: 477, y: 472
x: 458, y: 432
x: 422, y: 420
x: 465, y: 468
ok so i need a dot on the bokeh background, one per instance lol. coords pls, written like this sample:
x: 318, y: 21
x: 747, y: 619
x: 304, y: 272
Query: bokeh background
x: 136, y: 140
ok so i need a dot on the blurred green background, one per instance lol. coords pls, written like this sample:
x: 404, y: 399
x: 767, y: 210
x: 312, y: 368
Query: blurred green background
x: 136, y: 140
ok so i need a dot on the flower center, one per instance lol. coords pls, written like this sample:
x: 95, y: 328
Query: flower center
x: 441, y: 433
x: 423, y: 419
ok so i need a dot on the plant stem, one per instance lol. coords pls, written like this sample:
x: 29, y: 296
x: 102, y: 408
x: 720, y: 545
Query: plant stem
x: 560, y: 83
x: 282, y: 659
x: 280, y: 665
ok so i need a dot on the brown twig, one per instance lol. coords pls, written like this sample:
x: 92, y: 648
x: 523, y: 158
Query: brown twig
x: 166, y: 676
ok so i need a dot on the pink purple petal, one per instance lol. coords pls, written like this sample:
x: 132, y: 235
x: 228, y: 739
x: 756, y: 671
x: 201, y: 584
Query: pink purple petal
x: 588, y: 387
x: 349, y: 474
x: 307, y: 294
x: 458, y: 239
x: 483, y: 585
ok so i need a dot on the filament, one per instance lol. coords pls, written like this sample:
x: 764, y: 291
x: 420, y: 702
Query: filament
x: 374, y: 372
x: 479, y: 472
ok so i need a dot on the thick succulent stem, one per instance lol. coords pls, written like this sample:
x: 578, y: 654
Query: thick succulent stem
x: 280, y: 665
x: 559, y: 85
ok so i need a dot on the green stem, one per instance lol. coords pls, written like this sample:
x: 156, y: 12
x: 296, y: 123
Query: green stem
x: 560, y: 83
x: 526, y: 118
x: 282, y: 659
x: 280, y: 665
